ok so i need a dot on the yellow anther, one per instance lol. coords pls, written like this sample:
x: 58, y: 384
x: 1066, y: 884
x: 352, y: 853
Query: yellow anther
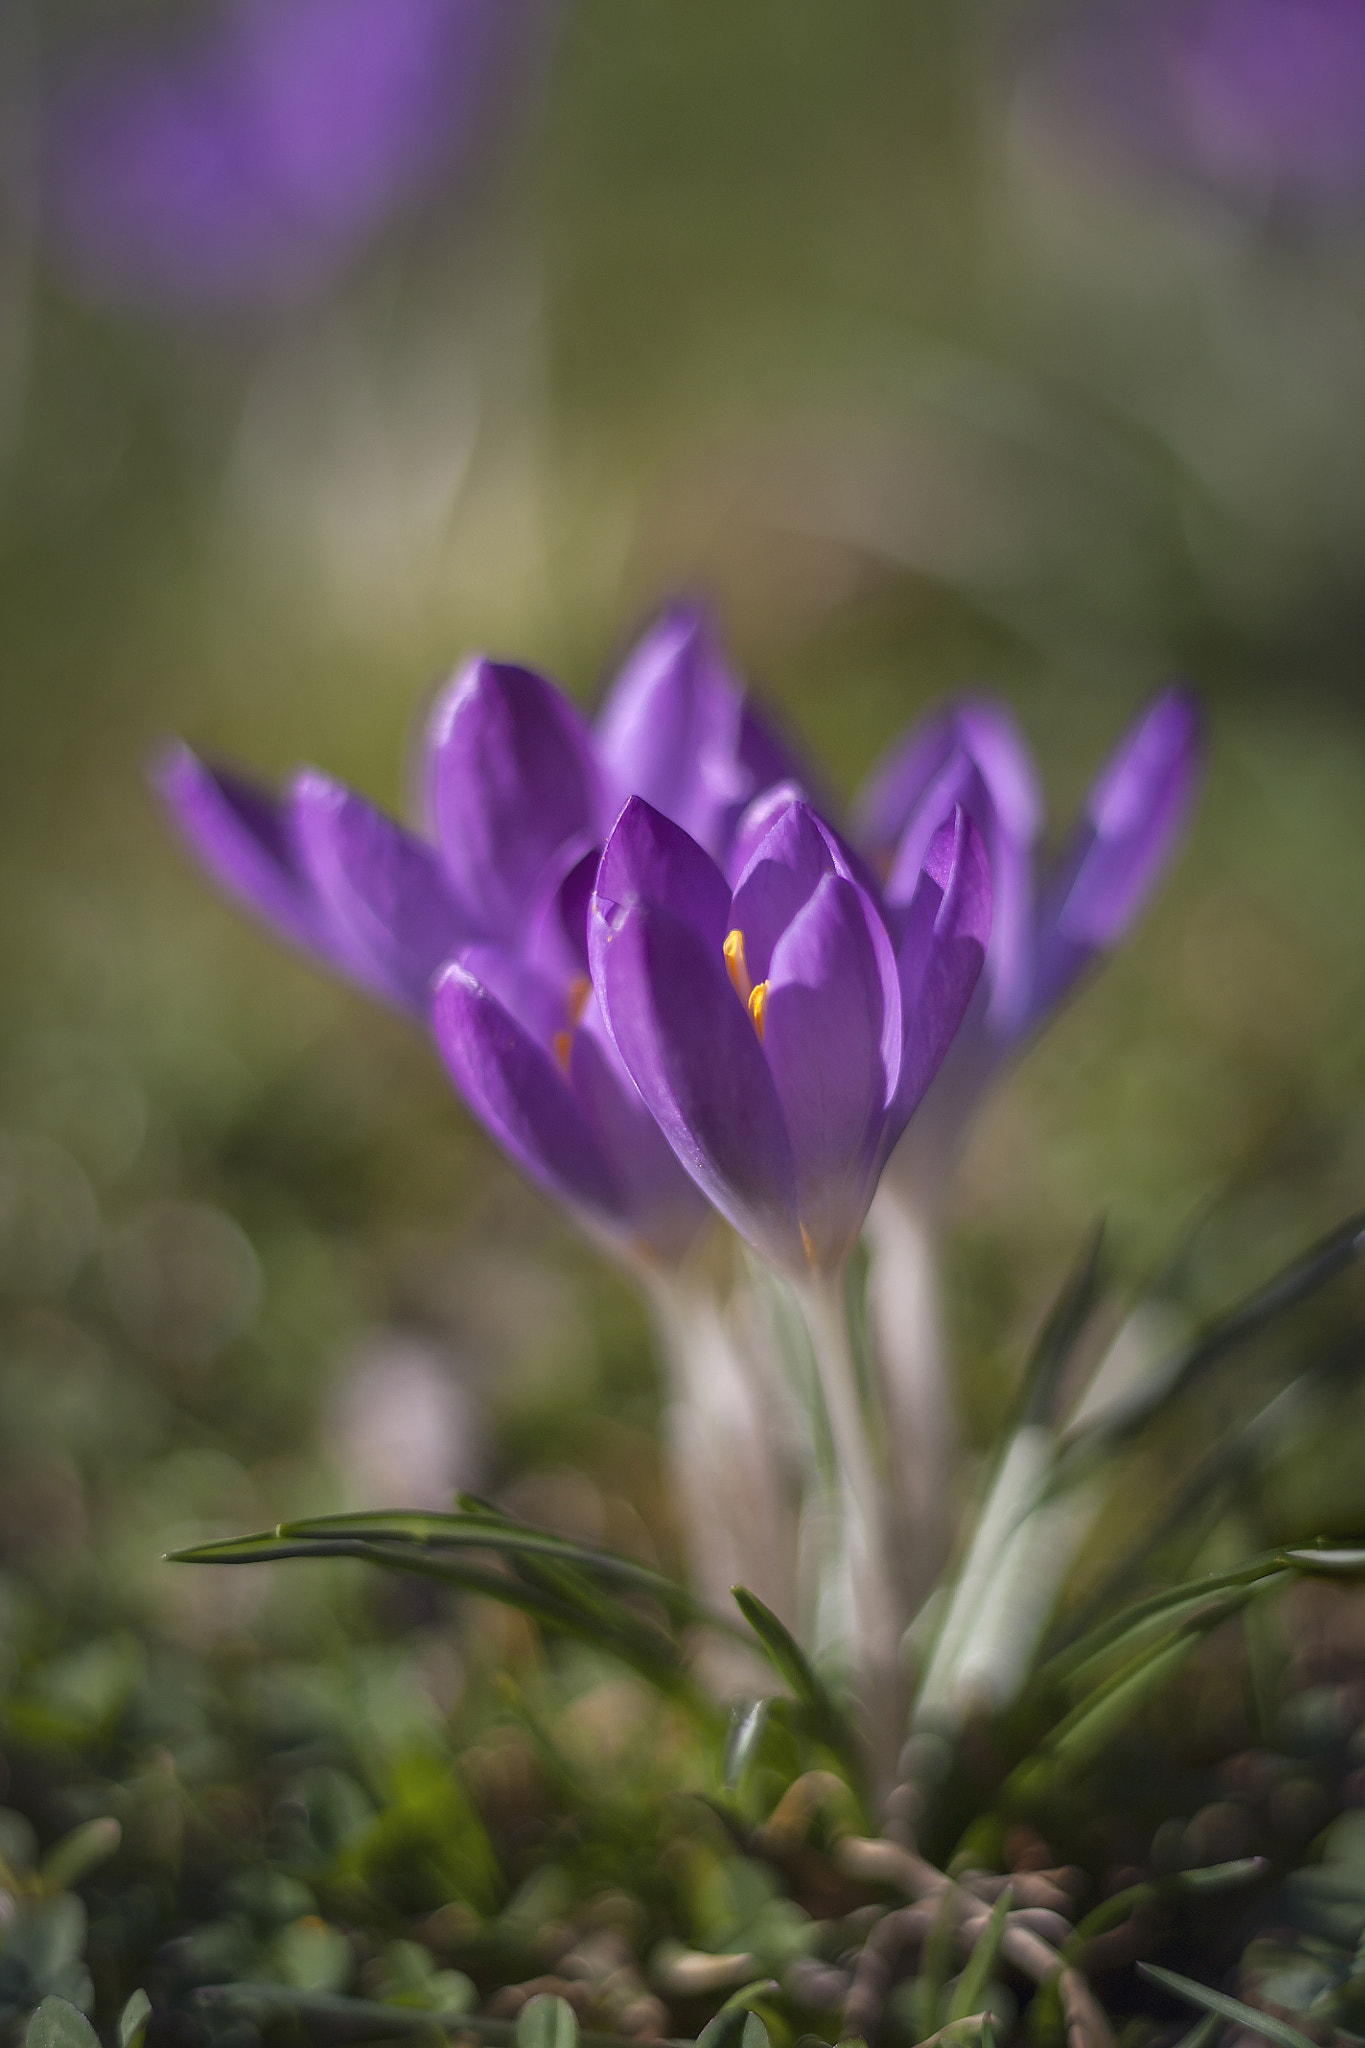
x: 576, y: 1001
x: 735, y: 965
x: 758, y: 1004
x: 562, y: 1044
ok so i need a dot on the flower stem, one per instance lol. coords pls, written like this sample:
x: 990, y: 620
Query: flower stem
x: 864, y: 1622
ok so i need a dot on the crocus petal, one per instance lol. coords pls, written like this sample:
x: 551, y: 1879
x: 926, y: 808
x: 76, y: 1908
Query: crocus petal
x: 1010, y: 957
x: 241, y: 834
x: 666, y: 1211
x: 520, y: 1095
x: 692, y: 1052
x: 896, y: 787
x: 941, y: 956
x: 782, y: 875
x: 669, y: 730
x: 826, y: 1044
x: 510, y: 777
x: 1133, y: 819
x: 556, y: 939
x: 379, y: 884
x: 530, y: 998
x: 649, y: 859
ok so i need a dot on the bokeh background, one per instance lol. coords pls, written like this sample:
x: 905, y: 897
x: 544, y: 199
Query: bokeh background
x: 937, y: 345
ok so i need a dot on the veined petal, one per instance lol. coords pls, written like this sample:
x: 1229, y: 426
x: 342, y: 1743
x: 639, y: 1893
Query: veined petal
x: 825, y: 1039
x: 669, y: 729
x: 783, y: 873
x: 557, y: 923
x: 532, y: 999
x: 510, y: 777
x: 897, y: 785
x: 1133, y: 817
x: 941, y: 955
x: 379, y: 883
x: 692, y: 1053
x: 665, y: 1209
x: 241, y: 834
x: 1010, y: 956
x: 520, y: 1096
x: 649, y: 859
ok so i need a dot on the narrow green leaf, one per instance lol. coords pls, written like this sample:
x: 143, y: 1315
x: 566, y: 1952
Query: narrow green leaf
x: 1226, y: 2008
x: 1203, y: 2032
x: 57, y: 2024
x: 966, y: 2000
x: 734, y: 2026
x: 83, y: 1850
x: 1067, y: 1318
x: 1174, y: 1605
x: 742, y: 1738
x: 547, y: 2022
x: 1086, y: 1731
x: 1294, y: 1283
x: 789, y: 1660
x: 132, y: 2021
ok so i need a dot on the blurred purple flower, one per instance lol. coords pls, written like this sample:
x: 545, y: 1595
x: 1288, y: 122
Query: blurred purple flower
x: 250, y: 156
x: 1047, y: 928
x: 1263, y: 98
x: 519, y: 793
x: 783, y: 1032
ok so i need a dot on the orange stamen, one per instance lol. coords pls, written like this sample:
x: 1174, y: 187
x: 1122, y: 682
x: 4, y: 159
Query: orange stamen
x: 562, y: 1044
x: 735, y: 965
x: 758, y: 1005
x: 576, y: 1001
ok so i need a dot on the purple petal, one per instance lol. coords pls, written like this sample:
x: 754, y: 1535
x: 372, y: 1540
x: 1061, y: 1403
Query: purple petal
x: 757, y: 821
x: 941, y: 955
x: 669, y: 730
x: 379, y: 884
x: 520, y: 1096
x: 782, y: 875
x: 666, y: 1211
x: 649, y: 859
x: 1134, y: 816
x: 897, y: 786
x: 1010, y: 958
x: 510, y: 778
x: 692, y: 1052
x: 826, y: 1040
x: 241, y: 834
x: 557, y: 923
x: 535, y: 1001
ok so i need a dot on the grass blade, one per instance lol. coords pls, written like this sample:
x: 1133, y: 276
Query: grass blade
x: 1226, y: 2008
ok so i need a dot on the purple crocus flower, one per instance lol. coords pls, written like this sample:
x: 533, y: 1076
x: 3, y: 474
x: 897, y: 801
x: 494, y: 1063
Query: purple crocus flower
x: 782, y: 1031
x: 247, y: 159
x: 1048, y: 928
x: 518, y: 792
x: 1263, y: 99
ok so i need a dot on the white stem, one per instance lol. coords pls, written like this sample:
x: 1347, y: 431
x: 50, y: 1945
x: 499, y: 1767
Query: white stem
x: 735, y: 1486
x: 868, y: 1620
x: 906, y: 1328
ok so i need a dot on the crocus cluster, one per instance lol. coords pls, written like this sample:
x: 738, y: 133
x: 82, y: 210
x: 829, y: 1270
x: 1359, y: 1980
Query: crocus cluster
x: 246, y: 158
x: 519, y: 793
x: 669, y: 986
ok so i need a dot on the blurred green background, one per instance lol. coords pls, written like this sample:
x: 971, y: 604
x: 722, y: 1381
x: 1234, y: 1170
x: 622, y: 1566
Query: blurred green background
x: 829, y: 314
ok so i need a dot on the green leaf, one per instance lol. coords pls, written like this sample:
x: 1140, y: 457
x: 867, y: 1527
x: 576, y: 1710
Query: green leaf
x: 828, y: 1723
x: 1295, y: 1282
x: 547, y: 2022
x: 132, y: 2021
x: 56, y: 2024
x: 742, y: 1738
x: 969, y: 1996
x: 1051, y: 1354
x: 647, y: 1648
x: 1226, y: 2008
x: 83, y: 1850
x: 734, y: 2026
